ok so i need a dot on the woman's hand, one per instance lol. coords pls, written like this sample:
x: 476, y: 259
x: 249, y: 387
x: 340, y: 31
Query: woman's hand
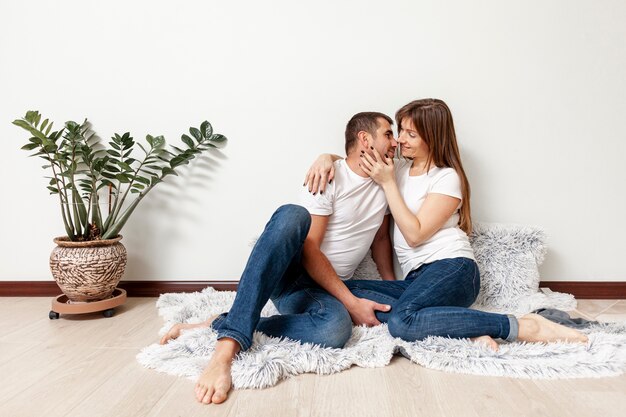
x: 379, y: 168
x: 321, y: 173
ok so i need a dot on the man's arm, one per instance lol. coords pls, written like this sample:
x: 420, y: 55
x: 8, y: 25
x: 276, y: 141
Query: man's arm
x: 382, y: 252
x: 320, y: 269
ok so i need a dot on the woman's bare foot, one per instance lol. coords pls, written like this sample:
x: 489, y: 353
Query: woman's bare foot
x: 486, y: 341
x: 177, y: 329
x: 534, y: 328
x: 215, y: 382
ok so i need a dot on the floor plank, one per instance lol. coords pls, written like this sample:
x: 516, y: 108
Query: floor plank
x: 85, y: 366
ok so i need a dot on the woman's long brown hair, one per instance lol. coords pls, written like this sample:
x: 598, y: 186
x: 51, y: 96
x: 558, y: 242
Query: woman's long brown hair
x: 433, y: 120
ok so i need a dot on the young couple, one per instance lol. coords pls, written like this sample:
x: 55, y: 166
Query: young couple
x: 306, y: 254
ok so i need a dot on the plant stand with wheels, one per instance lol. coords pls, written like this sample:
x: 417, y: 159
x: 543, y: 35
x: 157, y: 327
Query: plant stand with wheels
x: 60, y: 305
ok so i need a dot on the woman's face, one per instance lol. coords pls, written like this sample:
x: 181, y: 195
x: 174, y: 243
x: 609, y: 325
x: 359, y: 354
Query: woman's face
x: 411, y: 143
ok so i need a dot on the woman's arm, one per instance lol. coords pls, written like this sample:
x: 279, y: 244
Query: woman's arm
x: 435, y: 211
x: 382, y: 251
x: 321, y: 173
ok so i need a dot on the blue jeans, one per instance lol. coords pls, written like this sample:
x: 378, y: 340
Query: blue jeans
x: 274, y: 271
x: 433, y: 301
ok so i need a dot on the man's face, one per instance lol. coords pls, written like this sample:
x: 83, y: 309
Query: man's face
x: 383, y: 141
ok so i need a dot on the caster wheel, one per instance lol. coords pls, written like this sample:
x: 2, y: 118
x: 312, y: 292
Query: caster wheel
x: 53, y: 315
x: 108, y: 313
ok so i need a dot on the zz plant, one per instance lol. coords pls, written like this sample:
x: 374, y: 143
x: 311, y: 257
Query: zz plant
x: 81, y: 168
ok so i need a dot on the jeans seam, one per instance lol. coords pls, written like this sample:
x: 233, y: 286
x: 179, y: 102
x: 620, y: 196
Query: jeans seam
x: 476, y: 290
x: 310, y: 294
x: 376, y: 292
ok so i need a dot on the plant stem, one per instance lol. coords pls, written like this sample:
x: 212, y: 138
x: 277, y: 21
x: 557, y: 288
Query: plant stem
x: 121, y: 203
x: 69, y: 230
x: 114, y: 230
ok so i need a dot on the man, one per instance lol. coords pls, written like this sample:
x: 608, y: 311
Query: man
x: 301, y: 259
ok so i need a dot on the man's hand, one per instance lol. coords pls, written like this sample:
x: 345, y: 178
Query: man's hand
x: 362, y: 311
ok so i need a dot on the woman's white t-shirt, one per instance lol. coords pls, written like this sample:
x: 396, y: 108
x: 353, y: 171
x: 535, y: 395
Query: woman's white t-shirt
x: 449, y: 241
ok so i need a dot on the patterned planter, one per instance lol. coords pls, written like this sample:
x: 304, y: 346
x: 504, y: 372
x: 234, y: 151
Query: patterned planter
x: 88, y: 271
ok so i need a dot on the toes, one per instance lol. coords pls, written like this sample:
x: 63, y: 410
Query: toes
x: 220, y: 396
x: 201, y: 392
x: 208, y: 396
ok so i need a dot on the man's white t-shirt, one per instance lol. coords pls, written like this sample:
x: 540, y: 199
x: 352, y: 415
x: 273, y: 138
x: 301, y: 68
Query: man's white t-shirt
x: 356, y: 207
x: 450, y: 241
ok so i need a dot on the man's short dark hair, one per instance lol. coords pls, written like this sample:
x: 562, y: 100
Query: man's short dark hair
x: 365, y: 121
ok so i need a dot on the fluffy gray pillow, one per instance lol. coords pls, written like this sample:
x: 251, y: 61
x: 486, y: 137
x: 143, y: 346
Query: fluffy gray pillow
x: 508, y: 257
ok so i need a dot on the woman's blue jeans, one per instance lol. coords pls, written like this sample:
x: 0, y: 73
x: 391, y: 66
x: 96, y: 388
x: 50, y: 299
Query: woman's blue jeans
x: 433, y: 301
x: 274, y: 271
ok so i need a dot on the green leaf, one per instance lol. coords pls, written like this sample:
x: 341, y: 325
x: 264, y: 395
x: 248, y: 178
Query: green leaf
x: 178, y: 160
x: 31, y: 116
x: 150, y: 140
x: 122, y: 178
x: 113, y: 153
x: 53, y: 190
x: 142, y: 180
x: 159, y: 141
x: 195, y: 133
x: 124, y: 166
x: 168, y: 171
x: 188, y: 141
x: 30, y: 146
x: 218, y: 138
x: 206, y: 129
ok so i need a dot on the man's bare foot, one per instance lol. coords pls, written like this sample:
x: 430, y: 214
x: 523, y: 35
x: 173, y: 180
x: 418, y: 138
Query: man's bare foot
x: 534, y: 328
x: 486, y: 341
x: 177, y: 329
x: 215, y: 382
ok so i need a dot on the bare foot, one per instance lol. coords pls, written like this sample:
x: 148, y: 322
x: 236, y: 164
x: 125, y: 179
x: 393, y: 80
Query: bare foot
x: 215, y: 382
x: 534, y: 328
x: 486, y: 341
x: 177, y: 329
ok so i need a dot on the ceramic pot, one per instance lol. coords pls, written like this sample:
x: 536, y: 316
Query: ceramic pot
x: 88, y: 271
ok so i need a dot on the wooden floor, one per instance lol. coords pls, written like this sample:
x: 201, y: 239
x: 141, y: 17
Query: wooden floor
x: 85, y: 366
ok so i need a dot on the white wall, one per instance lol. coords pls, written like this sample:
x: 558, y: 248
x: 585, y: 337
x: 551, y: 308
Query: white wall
x: 537, y: 89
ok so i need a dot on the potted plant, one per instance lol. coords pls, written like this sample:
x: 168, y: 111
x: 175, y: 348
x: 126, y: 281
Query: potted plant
x: 89, y: 261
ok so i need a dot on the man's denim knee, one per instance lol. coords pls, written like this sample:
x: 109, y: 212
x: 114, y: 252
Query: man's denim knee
x: 334, y: 331
x: 339, y: 332
x: 293, y: 218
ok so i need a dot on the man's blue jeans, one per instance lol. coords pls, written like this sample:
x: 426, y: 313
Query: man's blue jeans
x: 274, y: 271
x: 433, y: 301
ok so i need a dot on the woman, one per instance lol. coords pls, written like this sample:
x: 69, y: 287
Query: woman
x: 429, y: 198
